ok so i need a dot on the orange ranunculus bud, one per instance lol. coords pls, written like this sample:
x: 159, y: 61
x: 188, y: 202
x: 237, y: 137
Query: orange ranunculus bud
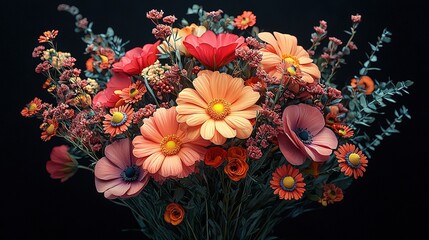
x: 174, y: 213
x: 236, y: 169
x: 215, y: 156
x: 237, y: 152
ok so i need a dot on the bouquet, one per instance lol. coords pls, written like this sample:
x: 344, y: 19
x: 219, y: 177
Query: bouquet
x: 215, y: 130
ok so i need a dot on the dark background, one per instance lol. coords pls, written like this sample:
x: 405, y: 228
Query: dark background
x: 390, y: 199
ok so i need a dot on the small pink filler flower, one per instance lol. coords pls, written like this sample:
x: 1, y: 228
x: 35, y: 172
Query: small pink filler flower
x: 305, y: 135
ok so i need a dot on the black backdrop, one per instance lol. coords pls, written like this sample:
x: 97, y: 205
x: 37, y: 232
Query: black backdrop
x: 389, y: 200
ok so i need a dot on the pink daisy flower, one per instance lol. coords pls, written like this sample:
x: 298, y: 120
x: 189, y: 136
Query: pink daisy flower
x: 116, y: 174
x: 305, y: 135
x: 164, y: 148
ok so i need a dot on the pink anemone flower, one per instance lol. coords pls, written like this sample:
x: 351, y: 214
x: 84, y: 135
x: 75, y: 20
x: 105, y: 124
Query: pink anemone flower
x: 305, y: 135
x: 116, y: 174
x: 213, y: 51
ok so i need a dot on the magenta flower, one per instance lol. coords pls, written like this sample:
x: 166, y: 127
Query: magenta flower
x: 305, y: 135
x: 107, y: 97
x: 117, y: 174
x: 213, y: 51
x: 62, y: 165
x: 136, y: 59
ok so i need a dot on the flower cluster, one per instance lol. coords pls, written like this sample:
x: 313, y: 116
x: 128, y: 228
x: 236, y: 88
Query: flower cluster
x: 211, y: 124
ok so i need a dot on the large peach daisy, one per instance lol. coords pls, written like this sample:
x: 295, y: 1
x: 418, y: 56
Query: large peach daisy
x: 218, y: 108
x: 284, y: 49
x: 164, y: 148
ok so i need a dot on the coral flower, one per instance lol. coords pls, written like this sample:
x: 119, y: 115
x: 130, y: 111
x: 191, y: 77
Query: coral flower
x: 365, y: 84
x: 48, y: 36
x: 283, y: 48
x: 215, y: 156
x: 331, y: 194
x: 305, y: 135
x: 61, y: 165
x: 136, y: 59
x: 164, y: 148
x: 116, y: 174
x: 351, y: 160
x: 245, y: 20
x: 213, y: 51
x: 218, y: 108
x: 237, y: 152
x: 342, y: 130
x: 288, y: 183
x: 107, y: 97
x: 175, y: 41
x: 118, y: 120
x: 236, y: 169
x: 49, y: 129
x: 174, y: 213
x: 32, y: 108
x: 133, y: 93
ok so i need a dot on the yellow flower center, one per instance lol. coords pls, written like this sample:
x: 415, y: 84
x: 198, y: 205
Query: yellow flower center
x: 288, y: 182
x: 245, y: 21
x: 32, y: 107
x: 292, y: 63
x: 133, y: 92
x: 170, y: 145
x: 342, y: 132
x: 354, y: 159
x: 117, y: 117
x: 104, y: 59
x: 50, y: 129
x: 218, y: 109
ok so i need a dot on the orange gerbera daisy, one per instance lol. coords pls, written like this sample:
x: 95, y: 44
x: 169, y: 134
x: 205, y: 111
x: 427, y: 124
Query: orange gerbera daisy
x: 133, y: 93
x: 118, y: 120
x: 283, y: 49
x: 365, y: 84
x: 342, y: 130
x: 218, y: 108
x: 164, y: 148
x: 351, y: 160
x: 32, y: 108
x: 49, y: 129
x: 245, y: 20
x: 288, y: 182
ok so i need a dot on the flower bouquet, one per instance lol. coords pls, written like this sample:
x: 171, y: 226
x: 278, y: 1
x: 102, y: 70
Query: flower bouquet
x: 216, y: 130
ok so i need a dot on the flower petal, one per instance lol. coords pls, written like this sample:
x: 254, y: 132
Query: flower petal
x: 106, y: 170
x: 326, y: 138
x: 292, y: 154
x: 208, y: 129
x: 172, y: 166
x: 224, y: 129
x: 153, y: 163
x: 188, y: 156
x: 119, y: 153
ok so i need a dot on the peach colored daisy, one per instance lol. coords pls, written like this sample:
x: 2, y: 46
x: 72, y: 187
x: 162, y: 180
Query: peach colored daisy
x: 245, y: 20
x: 351, y: 160
x: 49, y: 129
x: 118, y: 120
x: 164, y: 148
x: 116, y: 174
x: 288, y: 183
x: 283, y: 49
x: 342, y: 130
x: 61, y: 165
x: 218, y: 108
x: 32, y: 108
x: 133, y: 93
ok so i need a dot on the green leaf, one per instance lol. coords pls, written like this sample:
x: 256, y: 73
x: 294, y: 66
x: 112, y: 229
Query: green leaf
x: 373, y: 58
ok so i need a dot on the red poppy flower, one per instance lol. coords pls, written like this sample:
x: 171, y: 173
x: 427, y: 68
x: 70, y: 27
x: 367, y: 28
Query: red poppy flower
x: 136, y: 59
x: 213, y: 51
x: 107, y: 97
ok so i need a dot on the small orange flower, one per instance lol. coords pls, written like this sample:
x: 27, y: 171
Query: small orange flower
x: 133, y: 93
x: 47, y: 83
x: 331, y: 194
x: 245, y: 20
x: 351, y: 160
x: 174, y: 213
x: 342, y: 130
x: 90, y: 64
x: 215, y: 156
x: 49, y: 129
x: 288, y: 183
x: 48, y: 36
x: 118, y: 120
x: 330, y: 119
x: 314, y: 169
x: 237, y: 152
x: 255, y: 80
x: 236, y: 169
x: 365, y: 83
x: 32, y: 108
